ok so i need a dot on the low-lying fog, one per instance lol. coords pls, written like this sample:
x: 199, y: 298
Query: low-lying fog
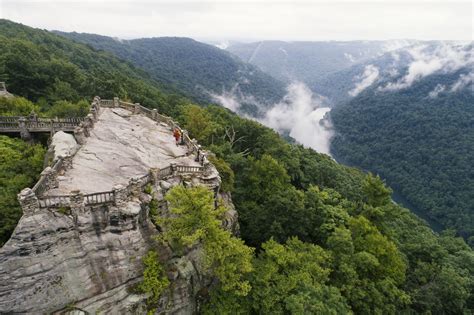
x: 300, y: 113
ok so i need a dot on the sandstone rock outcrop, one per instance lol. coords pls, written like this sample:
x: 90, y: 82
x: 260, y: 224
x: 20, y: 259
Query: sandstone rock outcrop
x: 83, y: 253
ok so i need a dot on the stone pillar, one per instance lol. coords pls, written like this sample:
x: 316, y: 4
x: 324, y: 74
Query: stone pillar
x: 182, y: 137
x: 207, y: 166
x: 185, y: 135
x: 136, y: 109
x: 76, y: 200
x: 116, y: 102
x: 28, y: 201
x: 24, y: 133
x: 90, y: 119
x: 120, y: 195
x: 154, y: 175
x: 154, y: 114
x: 79, y: 135
x: 94, y: 113
x: 198, y: 154
x: 67, y: 162
x: 51, y: 179
x: 174, y: 169
x: 85, y: 130
x: 135, y: 187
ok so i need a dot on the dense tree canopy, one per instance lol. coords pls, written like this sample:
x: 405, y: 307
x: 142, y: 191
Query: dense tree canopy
x: 422, y: 145
x: 196, y: 69
x: 20, y: 165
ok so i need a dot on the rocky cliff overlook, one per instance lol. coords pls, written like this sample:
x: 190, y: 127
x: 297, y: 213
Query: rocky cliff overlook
x: 86, y: 227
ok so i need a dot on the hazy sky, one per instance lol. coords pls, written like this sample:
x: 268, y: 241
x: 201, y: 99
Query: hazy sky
x: 250, y: 20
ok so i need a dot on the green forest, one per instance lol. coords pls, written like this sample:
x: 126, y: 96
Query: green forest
x: 315, y: 236
x: 423, y: 146
x: 193, y: 68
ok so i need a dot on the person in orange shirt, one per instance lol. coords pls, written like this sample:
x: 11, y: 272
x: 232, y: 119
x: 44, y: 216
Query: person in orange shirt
x: 177, y: 135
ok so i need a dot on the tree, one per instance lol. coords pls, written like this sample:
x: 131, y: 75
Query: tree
x: 198, y: 122
x: 375, y: 191
x: 155, y: 280
x: 20, y: 166
x: 293, y: 279
x: 195, y: 221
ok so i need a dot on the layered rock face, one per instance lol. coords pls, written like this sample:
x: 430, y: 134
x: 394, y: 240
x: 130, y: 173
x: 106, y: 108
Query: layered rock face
x: 56, y: 262
x: 79, y: 253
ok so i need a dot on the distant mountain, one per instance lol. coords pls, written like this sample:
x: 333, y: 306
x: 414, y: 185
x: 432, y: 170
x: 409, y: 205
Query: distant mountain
x: 203, y: 72
x: 423, y: 57
x: 45, y: 67
x: 414, y: 124
x: 310, y: 62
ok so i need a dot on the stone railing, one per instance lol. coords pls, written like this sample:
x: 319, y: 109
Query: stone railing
x: 32, y: 123
x: 34, y: 199
x: 83, y: 130
x: 119, y: 194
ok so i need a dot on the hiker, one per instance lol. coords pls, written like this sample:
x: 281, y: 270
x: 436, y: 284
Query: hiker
x: 177, y: 135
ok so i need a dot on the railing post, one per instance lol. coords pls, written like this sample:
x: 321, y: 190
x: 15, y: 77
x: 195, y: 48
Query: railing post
x: 198, y: 153
x: 90, y: 119
x: 116, y: 102
x: 28, y: 201
x: 67, y: 162
x: 79, y: 135
x: 154, y: 114
x: 174, y: 169
x: 207, y: 166
x: 135, y: 187
x: 154, y: 175
x: 76, y: 200
x: 24, y: 133
x: 84, y: 128
x: 51, y: 178
x: 136, y: 109
x: 120, y: 195
x: 94, y: 113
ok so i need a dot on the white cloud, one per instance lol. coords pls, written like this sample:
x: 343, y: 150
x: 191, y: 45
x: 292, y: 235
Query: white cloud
x: 301, y: 113
x: 222, y: 45
x: 366, y: 79
x: 463, y: 81
x: 426, y: 60
x: 228, y: 100
x: 438, y: 89
x: 253, y: 20
x: 349, y: 57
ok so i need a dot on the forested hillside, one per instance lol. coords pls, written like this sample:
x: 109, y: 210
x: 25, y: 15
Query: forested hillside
x: 203, y: 72
x: 421, y: 139
x: 317, y: 236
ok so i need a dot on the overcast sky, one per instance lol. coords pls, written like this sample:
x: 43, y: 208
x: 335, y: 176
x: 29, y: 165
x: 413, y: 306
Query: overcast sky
x: 250, y: 20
